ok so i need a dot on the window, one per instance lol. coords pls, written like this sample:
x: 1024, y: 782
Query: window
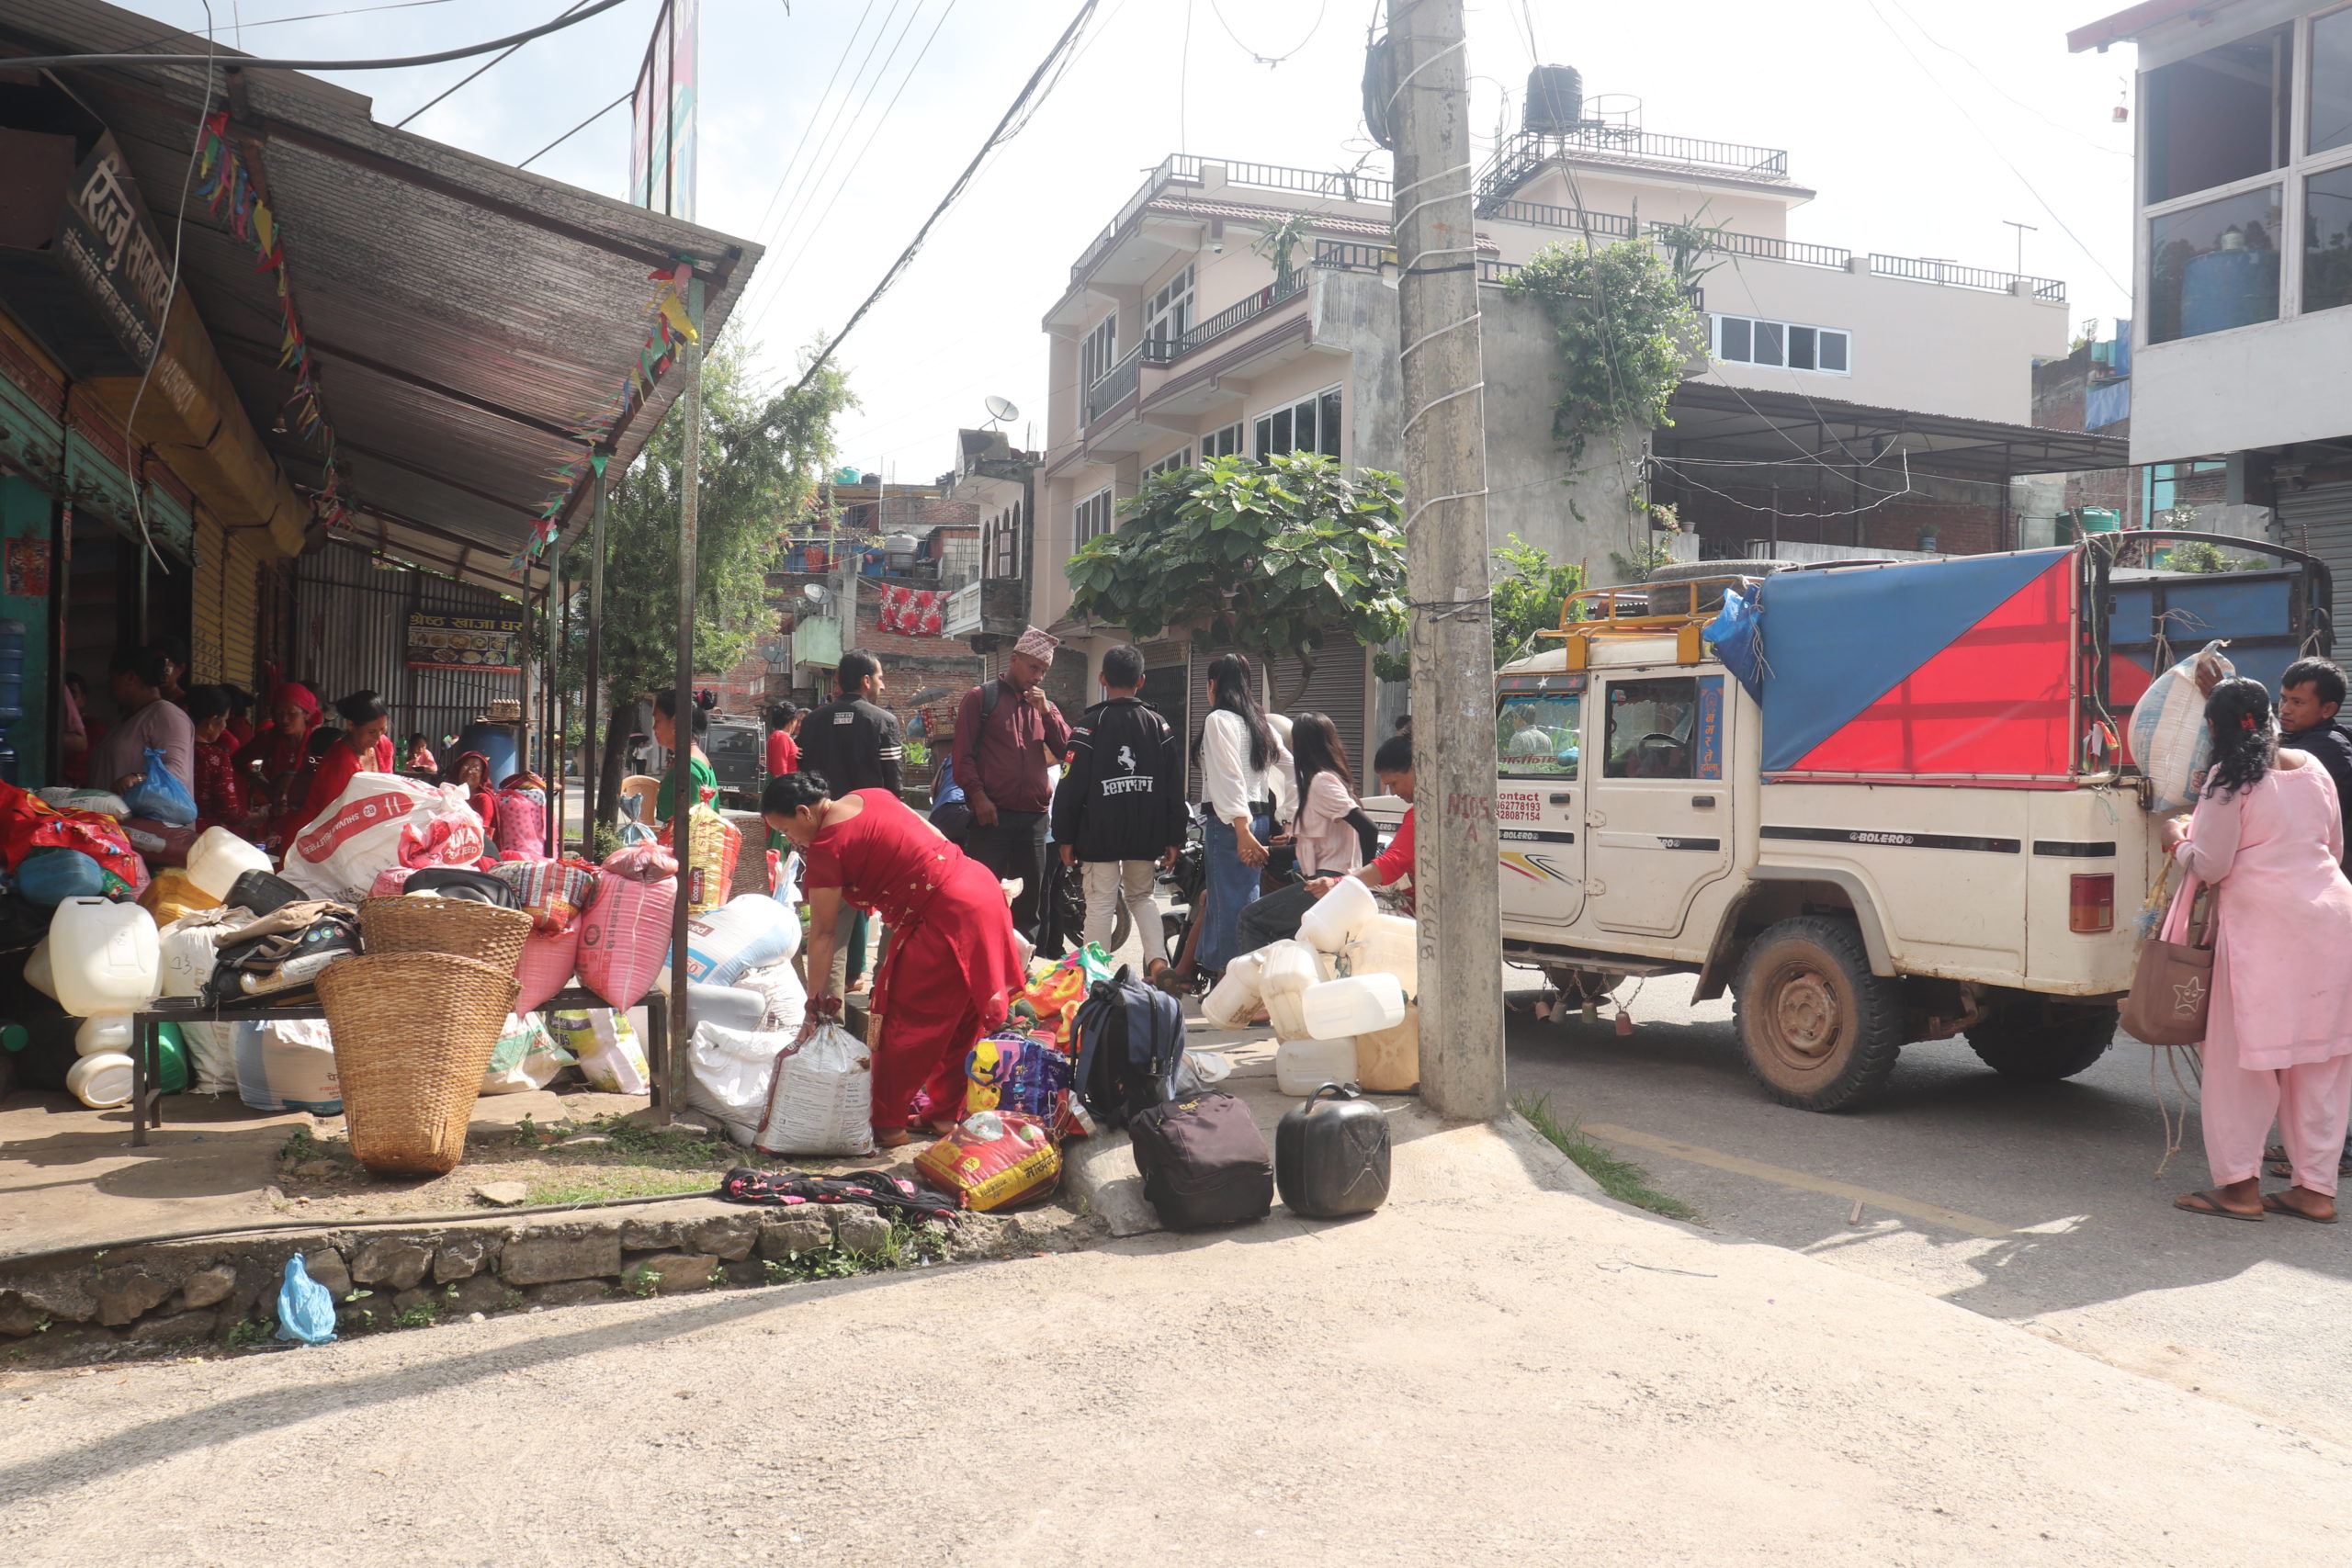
x: 2327, y: 238
x: 1098, y: 351
x: 1091, y: 518
x: 2330, y: 71
x: 2219, y: 116
x: 1651, y: 724
x: 1001, y: 545
x: 2214, y: 267
x: 1225, y: 442
x: 1311, y: 424
x: 1538, y: 734
x: 1180, y: 458
x: 1169, y: 316
x: 1742, y: 341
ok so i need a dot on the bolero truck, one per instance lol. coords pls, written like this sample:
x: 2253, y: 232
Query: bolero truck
x: 1895, y: 804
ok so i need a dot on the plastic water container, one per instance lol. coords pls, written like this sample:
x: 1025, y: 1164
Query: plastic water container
x: 101, y: 1082
x: 37, y: 971
x: 1360, y: 1004
x: 1336, y: 916
x: 1386, y: 944
x: 1289, y: 969
x: 97, y: 1036
x: 106, y: 957
x: 1233, y: 999
x: 219, y: 857
x: 1302, y: 1067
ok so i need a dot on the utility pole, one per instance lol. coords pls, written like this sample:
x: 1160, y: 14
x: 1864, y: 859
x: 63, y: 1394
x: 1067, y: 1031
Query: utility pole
x: 1455, y: 864
x: 683, y: 796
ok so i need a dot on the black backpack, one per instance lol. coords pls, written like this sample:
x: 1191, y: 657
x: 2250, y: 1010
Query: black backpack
x: 1130, y: 1038
x: 1203, y: 1162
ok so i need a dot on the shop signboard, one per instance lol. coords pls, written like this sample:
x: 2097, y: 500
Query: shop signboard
x: 113, y: 251
x: 488, y: 645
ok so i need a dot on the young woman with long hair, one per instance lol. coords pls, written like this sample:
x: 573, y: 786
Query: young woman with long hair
x: 1332, y: 834
x: 1247, y: 783
x: 2267, y: 838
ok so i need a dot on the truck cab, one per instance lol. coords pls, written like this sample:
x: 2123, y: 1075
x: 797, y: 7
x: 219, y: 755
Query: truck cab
x: 1892, y: 805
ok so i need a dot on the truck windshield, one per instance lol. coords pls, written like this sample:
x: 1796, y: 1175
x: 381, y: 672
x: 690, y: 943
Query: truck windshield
x: 1538, y: 735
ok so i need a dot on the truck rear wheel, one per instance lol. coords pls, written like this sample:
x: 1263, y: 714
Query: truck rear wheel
x: 1820, y: 1030
x: 2044, y: 1046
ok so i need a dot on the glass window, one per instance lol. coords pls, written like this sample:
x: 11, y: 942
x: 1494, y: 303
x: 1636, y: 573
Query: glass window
x: 1091, y: 518
x: 1312, y: 424
x: 2220, y: 115
x: 1180, y: 458
x: 1767, y: 343
x: 2331, y: 81
x: 2327, y: 240
x: 1169, y: 316
x: 2214, y: 267
x: 1833, y: 351
x: 1801, y: 348
x: 1538, y: 735
x: 1225, y: 442
x: 1327, y: 418
x: 1650, y: 729
x: 1096, y: 350
x: 1734, y: 345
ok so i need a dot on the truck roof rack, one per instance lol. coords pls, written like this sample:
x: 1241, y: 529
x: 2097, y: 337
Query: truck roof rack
x: 1676, y: 609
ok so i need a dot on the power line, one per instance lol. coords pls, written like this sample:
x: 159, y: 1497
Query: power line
x: 792, y: 159
x: 907, y: 256
x: 1964, y: 60
x: 1271, y: 59
x: 403, y: 125
x: 577, y: 130
x: 568, y: 19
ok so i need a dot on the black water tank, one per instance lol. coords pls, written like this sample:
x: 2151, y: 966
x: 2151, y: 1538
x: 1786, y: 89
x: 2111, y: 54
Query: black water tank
x: 1554, y: 100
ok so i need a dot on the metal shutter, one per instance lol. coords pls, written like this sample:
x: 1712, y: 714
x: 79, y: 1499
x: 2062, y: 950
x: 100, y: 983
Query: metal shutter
x: 2319, y: 521
x: 1341, y: 687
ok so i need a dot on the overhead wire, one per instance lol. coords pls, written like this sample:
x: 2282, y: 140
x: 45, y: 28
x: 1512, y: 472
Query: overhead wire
x: 577, y: 130
x: 791, y: 159
x: 570, y: 18
x: 1965, y: 60
x: 1270, y: 61
x: 475, y: 74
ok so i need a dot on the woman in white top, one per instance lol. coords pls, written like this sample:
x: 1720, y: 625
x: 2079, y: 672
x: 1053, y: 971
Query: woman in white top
x: 1245, y: 776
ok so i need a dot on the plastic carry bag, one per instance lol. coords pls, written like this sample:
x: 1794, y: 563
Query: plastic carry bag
x: 605, y: 1043
x: 2167, y: 733
x: 819, y: 1097
x: 159, y: 793
x: 1018, y: 1072
x: 993, y: 1159
x: 28, y: 823
x: 379, y: 820
x: 553, y: 891
x: 305, y: 1310
x: 527, y: 1057
x: 713, y: 846
x: 727, y: 1076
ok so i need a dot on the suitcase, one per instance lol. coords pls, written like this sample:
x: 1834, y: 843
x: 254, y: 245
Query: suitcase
x: 1331, y: 1157
x: 1203, y: 1162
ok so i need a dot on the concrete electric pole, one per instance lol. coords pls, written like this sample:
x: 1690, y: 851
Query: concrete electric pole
x: 1454, y: 870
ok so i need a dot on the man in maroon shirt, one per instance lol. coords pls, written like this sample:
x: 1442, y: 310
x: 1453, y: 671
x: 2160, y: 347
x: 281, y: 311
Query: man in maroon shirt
x: 1007, y: 736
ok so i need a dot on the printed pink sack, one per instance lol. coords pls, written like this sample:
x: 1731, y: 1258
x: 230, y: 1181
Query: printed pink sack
x: 391, y: 883
x: 522, y: 825
x: 452, y: 836
x: 625, y: 934
x: 550, y: 960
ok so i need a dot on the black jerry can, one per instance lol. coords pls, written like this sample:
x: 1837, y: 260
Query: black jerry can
x: 1331, y: 1155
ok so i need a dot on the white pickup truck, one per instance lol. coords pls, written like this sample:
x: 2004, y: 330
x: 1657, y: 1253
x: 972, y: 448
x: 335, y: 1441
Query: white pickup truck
x: 1902, y: 811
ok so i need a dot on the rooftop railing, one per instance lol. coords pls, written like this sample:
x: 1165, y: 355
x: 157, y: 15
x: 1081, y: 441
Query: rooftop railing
x: 1335, y: 184
x: 1928, y: 269
x: 1521, y: 155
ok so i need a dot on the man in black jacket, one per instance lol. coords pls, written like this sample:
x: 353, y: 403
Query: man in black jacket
x: 854, y: 742
x: 1119, y: 810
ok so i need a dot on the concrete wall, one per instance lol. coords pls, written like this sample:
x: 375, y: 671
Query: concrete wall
x: 2248, y: 388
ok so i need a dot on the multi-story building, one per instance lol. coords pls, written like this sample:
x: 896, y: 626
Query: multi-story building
x: 2243, y: 254
x: 1888, y: 393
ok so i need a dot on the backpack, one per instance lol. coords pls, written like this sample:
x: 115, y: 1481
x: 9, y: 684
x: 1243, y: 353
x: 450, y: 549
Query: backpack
x: 1203, y: 1162
x: 1130, y: 1038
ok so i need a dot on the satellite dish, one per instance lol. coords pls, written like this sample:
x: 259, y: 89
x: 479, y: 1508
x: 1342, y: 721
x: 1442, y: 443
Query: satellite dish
x: 815, y: 592
x: 1001, y: 408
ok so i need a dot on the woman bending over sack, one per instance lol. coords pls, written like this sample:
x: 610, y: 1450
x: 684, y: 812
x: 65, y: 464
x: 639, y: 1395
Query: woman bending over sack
x: 951, y: 971
x: 2267, y: 838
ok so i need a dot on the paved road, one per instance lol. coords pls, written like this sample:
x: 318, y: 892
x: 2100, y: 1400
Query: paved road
x: 2038, y: 1204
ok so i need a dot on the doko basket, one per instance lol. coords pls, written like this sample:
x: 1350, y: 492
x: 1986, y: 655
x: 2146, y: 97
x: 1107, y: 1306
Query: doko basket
x: 457, y: 926
x: 414, y: 1033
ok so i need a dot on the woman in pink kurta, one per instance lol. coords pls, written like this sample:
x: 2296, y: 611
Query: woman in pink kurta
x: 2268, y: 838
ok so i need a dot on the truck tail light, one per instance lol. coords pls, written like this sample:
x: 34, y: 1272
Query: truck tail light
x: 2090, y: 903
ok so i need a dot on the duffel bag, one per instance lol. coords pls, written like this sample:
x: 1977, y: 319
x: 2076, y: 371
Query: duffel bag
x: 1203, y: 1162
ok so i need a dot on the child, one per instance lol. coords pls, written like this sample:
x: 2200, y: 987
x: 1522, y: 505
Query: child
x: 220, y: 797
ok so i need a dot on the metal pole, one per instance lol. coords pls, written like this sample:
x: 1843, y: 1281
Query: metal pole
x: 562, y: 732
x: 591, y: 757
x: 552, y: 731
x: 1456, y: 864
x: 682, y: 754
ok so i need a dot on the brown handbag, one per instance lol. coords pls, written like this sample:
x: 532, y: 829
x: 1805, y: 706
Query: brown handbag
x: 2172, y: 989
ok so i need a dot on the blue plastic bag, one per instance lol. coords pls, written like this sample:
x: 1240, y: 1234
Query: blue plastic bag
x: 53, y: 875
x: 305, y: 1310
x: 159, y: 794
x: 1737, y: 632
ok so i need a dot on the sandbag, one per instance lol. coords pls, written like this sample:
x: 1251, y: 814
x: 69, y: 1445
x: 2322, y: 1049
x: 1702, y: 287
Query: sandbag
x: 625, y: 934
x: 380, y: 820
x: 551, y: 959
x: 994, y: 1159
x: 819, y: 1097
x: 779, y: 986
x: 2167, y: 735
x: 289, y: 1064
x: 189, y: 950
x: 605, y: 1043
x: 750, y: 931
x: 728, y: 1007
x: 173, y: 894
x: 727, y: 1076
x: 527, y: 1057
x: 713, y: 847
x: 213, y: 1050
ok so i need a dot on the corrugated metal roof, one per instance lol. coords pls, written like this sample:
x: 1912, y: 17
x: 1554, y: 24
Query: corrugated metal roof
x: 464, y: 316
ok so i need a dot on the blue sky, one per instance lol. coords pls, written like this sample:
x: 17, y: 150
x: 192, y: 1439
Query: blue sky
x: 1922, y: 123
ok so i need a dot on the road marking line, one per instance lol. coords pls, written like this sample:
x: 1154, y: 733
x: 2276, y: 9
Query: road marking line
x: 1934, y: 1213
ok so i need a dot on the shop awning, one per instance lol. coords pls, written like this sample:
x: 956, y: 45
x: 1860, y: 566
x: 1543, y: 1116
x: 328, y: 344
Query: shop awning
x: 472, y: 325
x: 1741, y: 422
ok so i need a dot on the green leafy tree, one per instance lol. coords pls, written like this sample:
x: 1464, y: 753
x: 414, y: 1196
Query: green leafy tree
x: 1624, y: 326
x: 1529, y: 595
x: 764, y: 455
x: 1274, y: 555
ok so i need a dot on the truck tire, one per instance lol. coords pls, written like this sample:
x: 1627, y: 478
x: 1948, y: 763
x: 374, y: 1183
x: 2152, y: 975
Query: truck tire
x: 1820, y: 1030
x: 2024, y: 1043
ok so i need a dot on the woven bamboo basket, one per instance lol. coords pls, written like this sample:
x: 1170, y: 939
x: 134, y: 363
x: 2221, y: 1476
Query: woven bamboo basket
x: 414, y: 1033
x: 458, y: 927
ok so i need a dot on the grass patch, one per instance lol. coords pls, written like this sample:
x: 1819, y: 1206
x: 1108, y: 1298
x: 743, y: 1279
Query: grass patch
x: 587, y: 1183
x: 1622, y: 1180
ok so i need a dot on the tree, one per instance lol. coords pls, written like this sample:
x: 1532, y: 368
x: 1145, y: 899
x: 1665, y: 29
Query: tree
x: 1624, y: 325
x: 1529, y: 597
x: 1270, y: 556
x: 763, y: 457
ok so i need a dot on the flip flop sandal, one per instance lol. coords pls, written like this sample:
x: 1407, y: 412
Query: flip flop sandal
x: 2276, y: 1203
x: 2206, y: 1202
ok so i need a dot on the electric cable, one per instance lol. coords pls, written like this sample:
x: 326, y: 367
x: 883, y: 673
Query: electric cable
x: 577, y: 129
x: 570, y: 18
x: 792, y: 159
x: 914, y: 246
x: 478, y: 70
x: 1270, y: 60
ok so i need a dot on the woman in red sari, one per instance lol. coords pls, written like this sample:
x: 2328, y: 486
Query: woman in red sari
x: 356, y: 753
x: 269, y: 761
x: 951, y: 969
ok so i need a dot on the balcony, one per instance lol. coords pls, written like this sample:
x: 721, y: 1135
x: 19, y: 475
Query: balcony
x: 1521, y: 155
x: 1190, y: 172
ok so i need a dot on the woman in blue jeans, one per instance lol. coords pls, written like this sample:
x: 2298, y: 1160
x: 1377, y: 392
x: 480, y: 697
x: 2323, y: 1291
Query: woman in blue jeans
x: 1252, y: 796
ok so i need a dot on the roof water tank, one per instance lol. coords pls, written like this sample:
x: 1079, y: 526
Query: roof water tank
x: 1554, y: 100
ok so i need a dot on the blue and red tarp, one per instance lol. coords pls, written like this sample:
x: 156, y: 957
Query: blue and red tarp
x: 1931, y: 668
